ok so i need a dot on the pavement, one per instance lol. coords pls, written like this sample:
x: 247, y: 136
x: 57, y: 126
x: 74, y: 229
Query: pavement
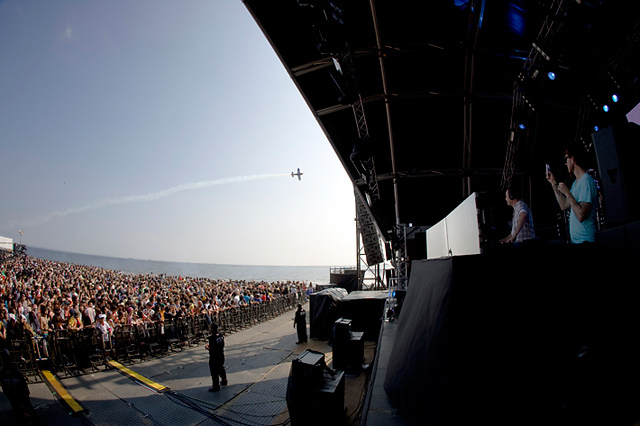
x: 173, y: 389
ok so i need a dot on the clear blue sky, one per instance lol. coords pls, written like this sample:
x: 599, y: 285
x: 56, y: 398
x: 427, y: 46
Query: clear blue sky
x: 162, y: 130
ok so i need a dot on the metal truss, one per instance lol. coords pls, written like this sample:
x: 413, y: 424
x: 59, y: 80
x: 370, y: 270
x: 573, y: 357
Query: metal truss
x: 402, y: 269
x: 553, y: 23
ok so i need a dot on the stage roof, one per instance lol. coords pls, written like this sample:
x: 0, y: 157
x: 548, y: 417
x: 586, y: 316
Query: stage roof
x: 438, y: 82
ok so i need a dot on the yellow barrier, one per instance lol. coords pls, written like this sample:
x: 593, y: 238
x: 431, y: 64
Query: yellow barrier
x: 61, y: 392
x: 148, y: 382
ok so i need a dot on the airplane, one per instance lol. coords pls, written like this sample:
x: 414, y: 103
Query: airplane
x: 297, y: 174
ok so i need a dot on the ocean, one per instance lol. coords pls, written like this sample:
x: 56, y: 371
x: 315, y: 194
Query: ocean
x: 314, y: 274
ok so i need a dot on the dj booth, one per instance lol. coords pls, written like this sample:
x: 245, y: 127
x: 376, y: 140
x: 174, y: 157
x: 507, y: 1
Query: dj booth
x: 536, y: 334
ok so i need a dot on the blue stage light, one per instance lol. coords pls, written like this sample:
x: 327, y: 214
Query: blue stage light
x: 605, y: 108
x: 596, y: 128
x: 614, y: 98
x: 522, y: 126
x: 551, y: 75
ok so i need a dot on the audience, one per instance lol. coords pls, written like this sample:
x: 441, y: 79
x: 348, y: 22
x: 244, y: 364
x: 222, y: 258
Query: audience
x: 38, y: 296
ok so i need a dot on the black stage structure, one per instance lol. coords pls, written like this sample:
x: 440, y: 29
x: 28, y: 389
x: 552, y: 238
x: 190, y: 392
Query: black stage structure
x: 423, y: 103
x: 427, y: 102
x: 505, y: 338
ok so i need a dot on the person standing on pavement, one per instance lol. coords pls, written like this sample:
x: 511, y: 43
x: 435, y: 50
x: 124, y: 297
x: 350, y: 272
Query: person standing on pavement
x: 216, y: 358
x: 300, y: 323
x: 14, y: 386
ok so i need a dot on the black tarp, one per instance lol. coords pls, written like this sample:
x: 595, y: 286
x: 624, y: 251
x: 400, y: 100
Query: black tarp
x: 544, y: 335
x: 323, y: 311
x: 365, y: 309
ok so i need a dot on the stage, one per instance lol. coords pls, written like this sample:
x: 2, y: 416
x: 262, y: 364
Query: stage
x: 541, y: 334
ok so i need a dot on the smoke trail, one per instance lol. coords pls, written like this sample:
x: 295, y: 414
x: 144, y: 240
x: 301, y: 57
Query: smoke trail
x: 151, y: 196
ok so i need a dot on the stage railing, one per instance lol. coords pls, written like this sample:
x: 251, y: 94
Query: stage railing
x: 79, y: 351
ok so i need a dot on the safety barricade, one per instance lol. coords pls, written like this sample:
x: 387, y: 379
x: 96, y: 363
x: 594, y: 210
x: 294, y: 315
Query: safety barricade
x: 73, y: 352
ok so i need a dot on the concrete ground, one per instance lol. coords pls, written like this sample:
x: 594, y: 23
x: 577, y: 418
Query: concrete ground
x: 258, y: 362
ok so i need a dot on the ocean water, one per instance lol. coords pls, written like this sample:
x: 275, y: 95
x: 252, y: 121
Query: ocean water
x: 314, y: 274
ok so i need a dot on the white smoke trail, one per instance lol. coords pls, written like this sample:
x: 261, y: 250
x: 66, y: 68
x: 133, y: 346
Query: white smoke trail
x: 147, y: 197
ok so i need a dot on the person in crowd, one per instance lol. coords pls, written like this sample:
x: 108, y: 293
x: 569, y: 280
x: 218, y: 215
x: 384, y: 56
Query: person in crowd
x: 105, y: 330
x: 57, y: 321
x: 216, y: 358
x: 75, y: 321
x: 581, y: 198
x: 3, y: 329
x: 522, y: 221
x: 89, y: 315
x: 300, y: 324
x: 44, y: 320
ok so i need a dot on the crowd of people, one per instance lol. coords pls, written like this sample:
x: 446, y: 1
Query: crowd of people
x: 40, y: 296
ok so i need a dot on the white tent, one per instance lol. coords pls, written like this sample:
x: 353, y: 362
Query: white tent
x: 6, y: 244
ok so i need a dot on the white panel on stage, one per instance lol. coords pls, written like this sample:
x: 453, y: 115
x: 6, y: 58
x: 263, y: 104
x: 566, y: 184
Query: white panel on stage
x: 457, y: 234
x: 437, y: 241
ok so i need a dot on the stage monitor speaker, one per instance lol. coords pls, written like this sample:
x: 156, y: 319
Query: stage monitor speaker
x: 315, y: 394
x: 307, y: 369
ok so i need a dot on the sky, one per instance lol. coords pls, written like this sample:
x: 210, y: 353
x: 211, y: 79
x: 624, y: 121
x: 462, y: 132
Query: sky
x: 163, y: 130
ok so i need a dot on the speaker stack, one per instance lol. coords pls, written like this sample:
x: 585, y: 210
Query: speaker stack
x: 348, y: 347
x: 369, y: 233
x: 315, y: 393
x: 617, y: 149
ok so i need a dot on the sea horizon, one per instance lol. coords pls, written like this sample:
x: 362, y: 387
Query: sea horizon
x: 244, y: 272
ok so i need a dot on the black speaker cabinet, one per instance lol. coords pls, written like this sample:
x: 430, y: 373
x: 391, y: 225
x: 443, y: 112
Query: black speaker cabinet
x: 608, y: 142
x: 315, y: 395
x: 348, y: 355
x: 307, y: 369
x: 330, y: 397
x: 342, y: 329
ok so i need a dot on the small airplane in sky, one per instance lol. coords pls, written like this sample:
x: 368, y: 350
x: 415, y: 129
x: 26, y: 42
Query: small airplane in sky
x: 299, y: 174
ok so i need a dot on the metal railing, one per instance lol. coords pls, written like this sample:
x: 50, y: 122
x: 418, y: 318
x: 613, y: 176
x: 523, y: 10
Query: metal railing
x: 85, y: 350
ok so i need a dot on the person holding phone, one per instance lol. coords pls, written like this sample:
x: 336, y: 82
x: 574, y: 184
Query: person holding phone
x: 581, y: 198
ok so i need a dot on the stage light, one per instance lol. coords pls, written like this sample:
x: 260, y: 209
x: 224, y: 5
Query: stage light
x: 596, y: 128
x: 551, y: 75
x: 605, y: 108
x: 522, y: 126
x: 614, y: 98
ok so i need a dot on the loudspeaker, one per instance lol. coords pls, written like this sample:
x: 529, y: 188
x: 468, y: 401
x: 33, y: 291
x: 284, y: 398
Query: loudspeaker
x: 606, y: 142
x: 342, y: 329
x: 348, y: 347
x: 369, y: 233
x: 315, y: 394
x: 307, y: 369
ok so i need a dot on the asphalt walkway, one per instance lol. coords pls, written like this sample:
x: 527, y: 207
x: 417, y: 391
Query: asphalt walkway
x: 258, y: 361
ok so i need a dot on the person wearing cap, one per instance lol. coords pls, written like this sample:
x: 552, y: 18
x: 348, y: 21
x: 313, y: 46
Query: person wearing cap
x: 14, y: 332
x: 104, y: 329
x: 216, y: 358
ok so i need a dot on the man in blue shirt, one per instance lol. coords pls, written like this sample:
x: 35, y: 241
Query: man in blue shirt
x: 582, y: 198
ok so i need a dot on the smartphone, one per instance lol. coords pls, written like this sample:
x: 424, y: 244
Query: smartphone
x: 548, y: 169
